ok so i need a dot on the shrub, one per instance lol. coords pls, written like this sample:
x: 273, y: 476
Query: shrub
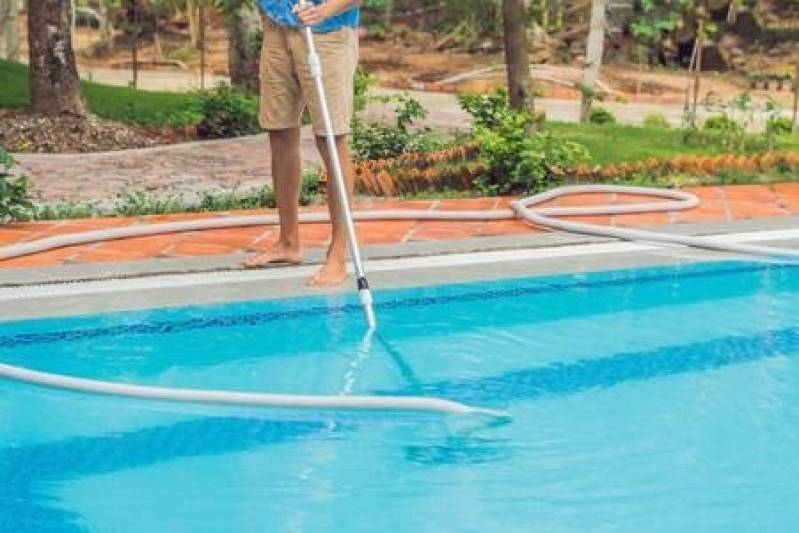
x: 383, y: 141
x: 520, y: 161
x: 656, y: 120
x: 779, y: 125
x: 226, y: 112
x: 723, y: 122
x: 517, y: 157
x: 487, y: 110
x: 361, y: 84
x: 14, y: 201
x: 600, y: 115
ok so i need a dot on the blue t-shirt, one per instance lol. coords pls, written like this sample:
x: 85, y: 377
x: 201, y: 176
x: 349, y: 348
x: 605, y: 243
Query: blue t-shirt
x: 282, y: 12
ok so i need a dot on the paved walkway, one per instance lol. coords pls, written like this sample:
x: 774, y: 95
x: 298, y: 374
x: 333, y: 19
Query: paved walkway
x: 717, y: 204
x: 189, y: 169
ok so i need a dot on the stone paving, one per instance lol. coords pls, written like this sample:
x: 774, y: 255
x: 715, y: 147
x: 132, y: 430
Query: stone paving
x: 185, y: 169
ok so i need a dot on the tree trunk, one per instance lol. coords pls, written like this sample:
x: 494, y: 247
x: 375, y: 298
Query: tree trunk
x: 105, y: 29
x: 9, y: 29
x: 593, y: 56
x: 796, y: 99
x: 517, y: 60
x: 54, y: 82
x: 194, y: 28
x: 244, y: 49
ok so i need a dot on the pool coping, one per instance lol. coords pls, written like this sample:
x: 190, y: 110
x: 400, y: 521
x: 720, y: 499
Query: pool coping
x: 167, y: 282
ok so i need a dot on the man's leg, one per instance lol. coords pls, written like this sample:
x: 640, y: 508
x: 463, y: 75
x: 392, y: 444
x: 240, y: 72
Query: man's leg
x: 334, y: 270
x: 286, y: 176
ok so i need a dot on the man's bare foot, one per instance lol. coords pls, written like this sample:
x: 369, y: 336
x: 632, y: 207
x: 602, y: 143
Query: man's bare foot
x: 277, y: 254
x: 332, y: 273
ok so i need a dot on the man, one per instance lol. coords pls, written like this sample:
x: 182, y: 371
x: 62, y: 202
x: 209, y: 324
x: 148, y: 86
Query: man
x: 286, y: 89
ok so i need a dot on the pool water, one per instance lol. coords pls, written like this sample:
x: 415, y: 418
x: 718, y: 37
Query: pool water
x: 641, y: 400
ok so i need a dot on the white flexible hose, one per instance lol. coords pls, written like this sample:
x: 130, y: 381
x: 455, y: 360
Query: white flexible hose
x: 524, y: 208
x: 254, y: 399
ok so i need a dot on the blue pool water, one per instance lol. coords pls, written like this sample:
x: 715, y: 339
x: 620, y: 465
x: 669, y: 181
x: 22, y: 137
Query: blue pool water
x: 642, y: 400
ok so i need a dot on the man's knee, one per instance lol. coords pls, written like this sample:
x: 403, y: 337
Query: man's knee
x: 284, y: 138
x: 341, y: 141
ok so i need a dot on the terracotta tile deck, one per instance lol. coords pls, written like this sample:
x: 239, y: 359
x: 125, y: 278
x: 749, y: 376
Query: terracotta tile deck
x: 717, y: 203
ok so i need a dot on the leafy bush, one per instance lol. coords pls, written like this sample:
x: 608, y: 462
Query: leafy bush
x: 518, y: 161
x: 361, y: 84
x: 518, y: 157
x: 724, y: 123
x: 779, y: 125
x: 600, y: 115
x: 487, y: 110
x: 382, y: 141
x: 734, y: 122
x: 656, y: 120
x: 14, y: 201
x: 226, y: 112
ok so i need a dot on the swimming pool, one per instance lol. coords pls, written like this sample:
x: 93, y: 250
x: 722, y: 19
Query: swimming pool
x: 642, y: 400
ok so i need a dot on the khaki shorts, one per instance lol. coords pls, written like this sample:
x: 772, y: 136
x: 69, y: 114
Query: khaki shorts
x: 286, y: 83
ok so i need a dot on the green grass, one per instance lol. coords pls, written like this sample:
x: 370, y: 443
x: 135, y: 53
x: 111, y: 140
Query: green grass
x: 114, y: 103
x: 615, y: 143
x: 15, y: 85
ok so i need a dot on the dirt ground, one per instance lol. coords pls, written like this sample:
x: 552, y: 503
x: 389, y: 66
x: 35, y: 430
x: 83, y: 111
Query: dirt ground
x: 415, y: 64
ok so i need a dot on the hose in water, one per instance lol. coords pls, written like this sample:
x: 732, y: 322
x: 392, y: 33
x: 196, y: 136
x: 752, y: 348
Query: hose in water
x: 526, y: 208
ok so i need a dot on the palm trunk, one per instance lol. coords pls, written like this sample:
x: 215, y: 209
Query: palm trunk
x: 593, y: 56
x: 54, y: 83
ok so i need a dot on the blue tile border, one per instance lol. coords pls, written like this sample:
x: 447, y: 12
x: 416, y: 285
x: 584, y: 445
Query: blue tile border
x: 256, y: 319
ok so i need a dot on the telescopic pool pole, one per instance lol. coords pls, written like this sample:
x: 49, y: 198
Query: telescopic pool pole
x: 315, y: 68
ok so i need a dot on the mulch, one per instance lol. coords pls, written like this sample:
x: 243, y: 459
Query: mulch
x: 21, y: 131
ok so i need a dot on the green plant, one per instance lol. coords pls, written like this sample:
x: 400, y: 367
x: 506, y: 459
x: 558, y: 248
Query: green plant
x: 723, y: 123
x: 487, y: 110
x: 226, y: 112
x: 311, y: 187
x: 133, y: 203
x: 600, y: 115
x: 14, y: 201
x: 66, y: 210
x: 382, y: 141
x: 656, y: 120
x: 362, y: 82
x: 734, y: 123
x: 518, y: 161
x: 230, y: 200
x: 779, y: 125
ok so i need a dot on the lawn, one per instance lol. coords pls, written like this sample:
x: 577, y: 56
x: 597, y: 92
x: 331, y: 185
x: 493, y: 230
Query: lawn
x: 114, y: 103
x: 615, y: 143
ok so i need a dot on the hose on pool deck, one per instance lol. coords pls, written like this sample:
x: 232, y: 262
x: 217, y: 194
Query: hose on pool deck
x: 676, y: 200
x: 526, y: 208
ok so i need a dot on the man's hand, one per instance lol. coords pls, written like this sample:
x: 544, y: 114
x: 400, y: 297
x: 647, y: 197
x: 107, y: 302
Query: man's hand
x: 310, y: 14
